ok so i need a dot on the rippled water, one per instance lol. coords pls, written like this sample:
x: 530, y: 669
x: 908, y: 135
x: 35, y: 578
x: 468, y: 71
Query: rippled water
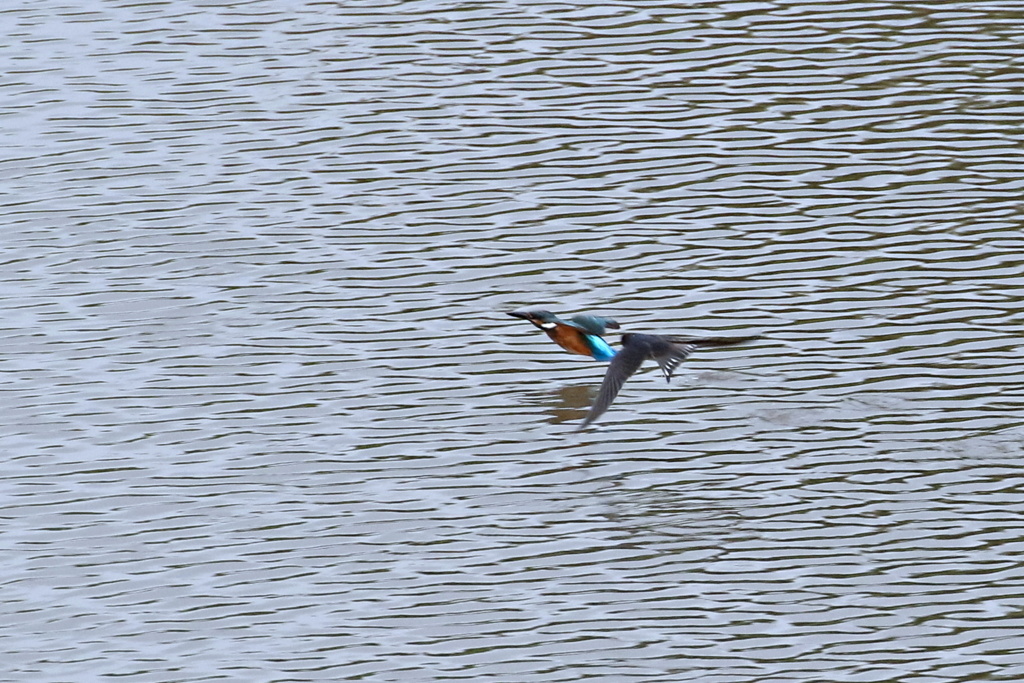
x: 264, y: 417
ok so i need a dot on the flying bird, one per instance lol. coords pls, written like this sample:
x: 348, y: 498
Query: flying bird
x: 582, y: 334
x: 667, y: 351
x: 579, y: 334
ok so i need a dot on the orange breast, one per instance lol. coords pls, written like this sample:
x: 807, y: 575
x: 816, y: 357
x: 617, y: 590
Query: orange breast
x: 570, y: 339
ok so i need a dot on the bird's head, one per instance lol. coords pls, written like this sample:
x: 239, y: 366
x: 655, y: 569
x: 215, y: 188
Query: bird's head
x: 545, y: 320
x: 532, y: 316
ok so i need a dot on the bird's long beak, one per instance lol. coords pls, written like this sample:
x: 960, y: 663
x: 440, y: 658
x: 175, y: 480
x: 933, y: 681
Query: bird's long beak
x: 519, y: 314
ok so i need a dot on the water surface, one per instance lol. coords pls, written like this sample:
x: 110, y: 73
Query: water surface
x: 264, y: 417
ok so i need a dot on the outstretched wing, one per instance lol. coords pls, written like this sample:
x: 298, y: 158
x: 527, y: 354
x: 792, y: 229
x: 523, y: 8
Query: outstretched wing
x: 670, y: 357
x: 709, y: 342
x: 623, y: 365
x: 593, y: 324
x: 678, y: 348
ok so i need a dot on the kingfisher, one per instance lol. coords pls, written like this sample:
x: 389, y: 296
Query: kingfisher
x: 579, y: 334
x: 582, y: 334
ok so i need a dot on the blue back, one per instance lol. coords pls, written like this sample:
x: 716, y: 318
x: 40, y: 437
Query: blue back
x: 600, y: 347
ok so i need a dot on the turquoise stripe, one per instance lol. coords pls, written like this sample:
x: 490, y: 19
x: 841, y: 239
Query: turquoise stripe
x: 600, y: 347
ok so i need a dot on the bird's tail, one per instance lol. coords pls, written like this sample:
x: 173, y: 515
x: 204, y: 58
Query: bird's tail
x: 710, y: 342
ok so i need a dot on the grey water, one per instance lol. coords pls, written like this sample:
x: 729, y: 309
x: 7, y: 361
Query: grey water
x: 263, y: 416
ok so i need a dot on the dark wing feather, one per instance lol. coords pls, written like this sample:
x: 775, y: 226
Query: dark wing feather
x: 623, y: 365
x: 670, y: 359
x: 709, y: 342
x: 681, y: 347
